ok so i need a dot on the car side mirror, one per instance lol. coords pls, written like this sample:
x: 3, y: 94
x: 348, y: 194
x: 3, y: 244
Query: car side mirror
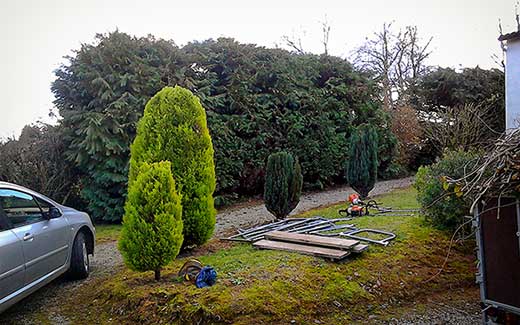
x: 54, y: 213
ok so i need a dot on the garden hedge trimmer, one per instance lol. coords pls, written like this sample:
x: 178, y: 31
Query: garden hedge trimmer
x: 357, y: 207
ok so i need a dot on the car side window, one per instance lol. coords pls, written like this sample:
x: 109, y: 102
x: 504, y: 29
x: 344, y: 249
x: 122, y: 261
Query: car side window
x: 20, y: 208
x: 4, y: 225
x: 44, y: 205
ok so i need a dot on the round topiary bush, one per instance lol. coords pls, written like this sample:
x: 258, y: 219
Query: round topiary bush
x: 362, y: 163
x: 152, y: 225
x: 174, y: 128
x: 283, y: 184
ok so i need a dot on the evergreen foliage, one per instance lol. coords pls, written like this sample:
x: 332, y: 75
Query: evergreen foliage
x: 444, y: 208
x: 283, y: 184
x: 174, y: 128
x: 262, y: 100
x: 445, y: 91
x: 100, y: 96
x: 362, y: 160
x: 258, y: 101
x: 152, y: 225
x: 446, y: 87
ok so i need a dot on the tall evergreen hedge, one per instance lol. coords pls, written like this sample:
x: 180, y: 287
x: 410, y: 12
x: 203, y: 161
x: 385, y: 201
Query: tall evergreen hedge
x: 100, y: 96
x: 258, y: 101
x: 174, y: 128
x: 361, y: 169
x: 152, y: 225
x: 283, y: 184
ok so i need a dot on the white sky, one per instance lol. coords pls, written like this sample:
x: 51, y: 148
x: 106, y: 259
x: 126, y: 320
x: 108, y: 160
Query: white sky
x: 36, y: 35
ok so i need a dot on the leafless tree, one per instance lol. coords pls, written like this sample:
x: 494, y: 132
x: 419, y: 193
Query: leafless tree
x: 379, y: 55
x: 396, y: 59
x: 325, y: 28
x: 500, y: 59
x: 517, y: 16
x: 294, y: 42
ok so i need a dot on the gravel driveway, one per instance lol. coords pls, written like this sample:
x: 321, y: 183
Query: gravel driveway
x: 233, y: 218
x: 47, y: 300
x: 441, y: 313
x: 107, y: 260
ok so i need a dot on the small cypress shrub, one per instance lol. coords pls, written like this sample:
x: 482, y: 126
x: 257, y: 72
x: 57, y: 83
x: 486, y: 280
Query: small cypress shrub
x: 174, y: 128
x: 152, y: 225
x: 283, y: 184
x: 362, y: 163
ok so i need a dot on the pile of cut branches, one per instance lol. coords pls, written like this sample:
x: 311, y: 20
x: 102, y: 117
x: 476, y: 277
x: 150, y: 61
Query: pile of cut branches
x: 495, y: 174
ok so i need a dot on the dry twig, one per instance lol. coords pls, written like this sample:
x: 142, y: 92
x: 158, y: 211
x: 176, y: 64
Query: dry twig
x: 497, y: 173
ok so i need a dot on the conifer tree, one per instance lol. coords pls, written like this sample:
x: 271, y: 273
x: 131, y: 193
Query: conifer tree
x: 283, y: 184
x: 174, y: 128
x: 152, y: 225
x: 362, y: 163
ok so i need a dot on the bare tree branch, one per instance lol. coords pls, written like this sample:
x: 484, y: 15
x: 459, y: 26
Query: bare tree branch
x: 397, y: 59
x: 294, y: 42
x: 462, y: 127
x: 325, y: 28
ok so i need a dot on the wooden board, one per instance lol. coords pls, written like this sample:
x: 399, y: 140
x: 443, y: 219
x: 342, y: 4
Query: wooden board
x: 335, y: 254
x: 314, y: 240
x: 359, y: 248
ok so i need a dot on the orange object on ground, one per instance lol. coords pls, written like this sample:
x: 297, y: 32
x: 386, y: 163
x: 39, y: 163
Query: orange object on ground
x: 353, y: 198
x: 355, y: 210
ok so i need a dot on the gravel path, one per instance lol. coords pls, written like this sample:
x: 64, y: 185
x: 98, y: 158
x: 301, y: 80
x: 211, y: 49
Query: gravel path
x: 42, y: 307
x: 440, y: 313
x: 231, y: 219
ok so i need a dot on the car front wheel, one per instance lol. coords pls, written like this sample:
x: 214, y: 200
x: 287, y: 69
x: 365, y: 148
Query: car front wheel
x: 79, y: 262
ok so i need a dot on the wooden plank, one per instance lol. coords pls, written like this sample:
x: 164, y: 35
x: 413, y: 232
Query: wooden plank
x: 315, y: 240
x: 359, y: 248
x: 335, y: 254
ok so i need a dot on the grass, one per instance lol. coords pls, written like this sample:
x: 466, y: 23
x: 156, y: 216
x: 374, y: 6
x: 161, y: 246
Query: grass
x: 262, y: 286
x: 110, y: 232
x: 107, y: 232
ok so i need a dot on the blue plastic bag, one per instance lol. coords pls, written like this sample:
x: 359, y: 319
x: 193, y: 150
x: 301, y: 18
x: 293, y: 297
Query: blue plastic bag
x: 206, y: 278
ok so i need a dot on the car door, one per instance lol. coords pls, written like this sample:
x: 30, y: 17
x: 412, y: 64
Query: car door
x: 45, y: 241
x: 12, y: 269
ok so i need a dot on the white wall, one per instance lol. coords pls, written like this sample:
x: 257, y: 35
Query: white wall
x: 513, y: 84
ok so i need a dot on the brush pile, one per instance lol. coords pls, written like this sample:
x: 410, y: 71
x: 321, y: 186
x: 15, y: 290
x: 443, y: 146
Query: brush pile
x: 496, y: 174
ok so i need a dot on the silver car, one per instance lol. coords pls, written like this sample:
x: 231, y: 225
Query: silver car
x: 39, y: 241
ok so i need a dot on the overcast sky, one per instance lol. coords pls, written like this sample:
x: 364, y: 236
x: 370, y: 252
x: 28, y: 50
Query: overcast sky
x: 36, y: 35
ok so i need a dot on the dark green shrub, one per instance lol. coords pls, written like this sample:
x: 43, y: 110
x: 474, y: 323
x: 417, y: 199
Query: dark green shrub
x: 443, y: 207
x: 362, y: 160
x: 100, y: 94
x: 152, y: 225
x: 258, y: 101
x: 283, y: 184
x: 173, y: 128
x: 265, y: 100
